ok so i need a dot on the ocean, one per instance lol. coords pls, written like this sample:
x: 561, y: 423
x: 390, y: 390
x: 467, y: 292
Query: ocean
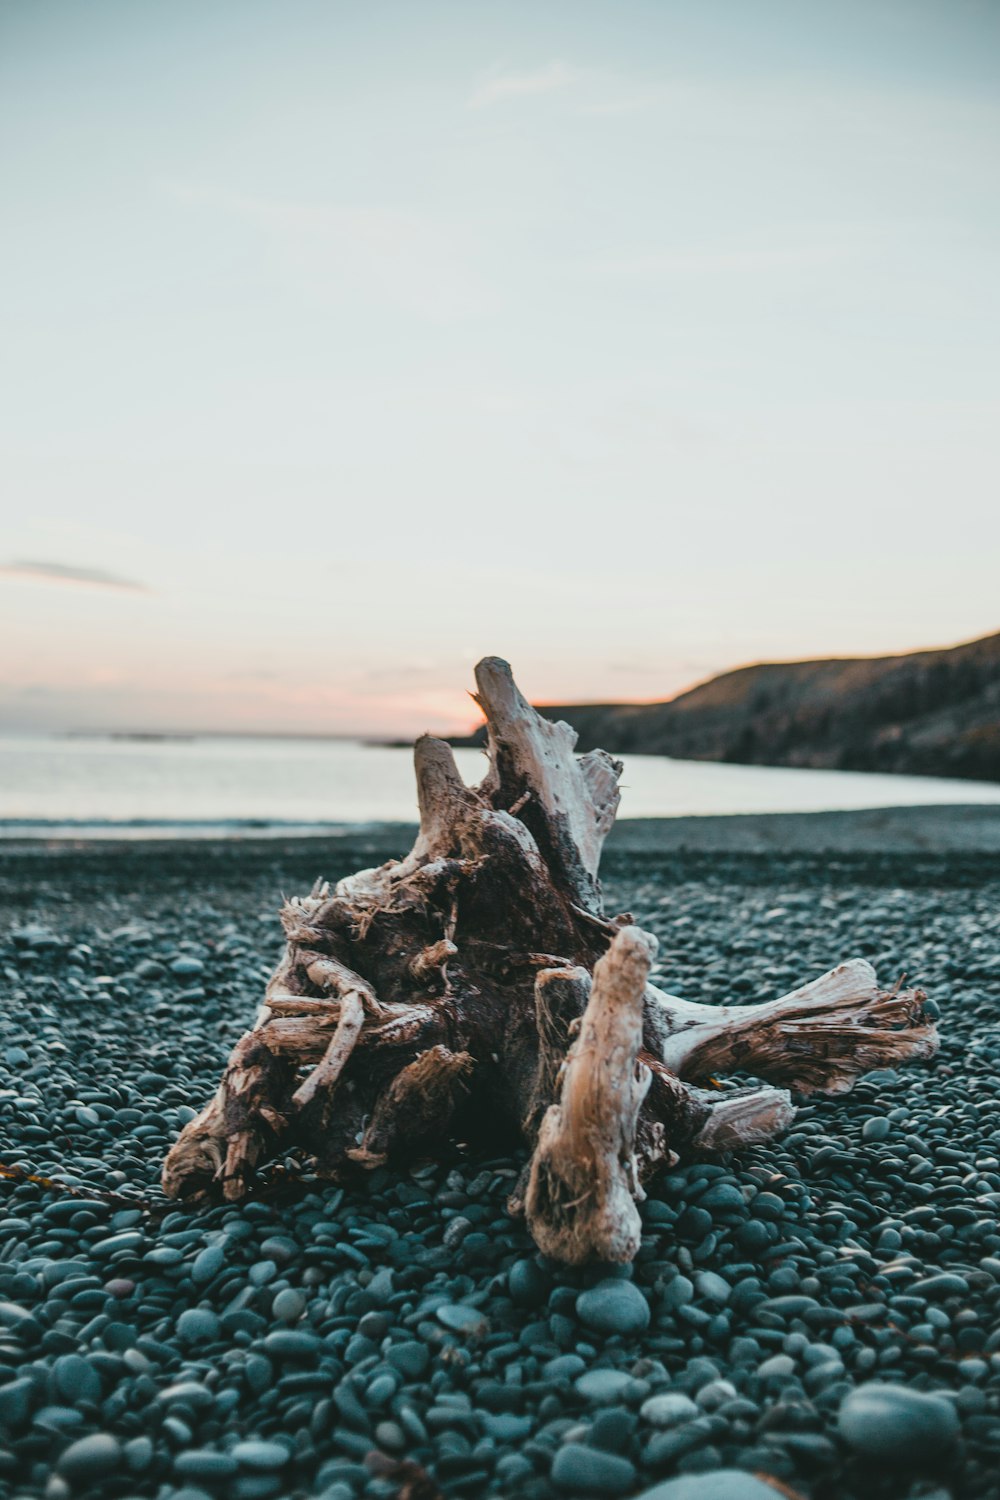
x: 217, y: 786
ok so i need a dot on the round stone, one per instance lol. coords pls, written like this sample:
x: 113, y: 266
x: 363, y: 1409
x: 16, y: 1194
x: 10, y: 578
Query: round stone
x: 875, y: 1129
x: 897, y: 1424
x: 462, y: 1319
x: 613, y: 1307
x: 753, y: 1236
x: 90, y: 1458
x: 288, y: 1305
x: 208, y: 1264
x: 257, y: 1454
x: 291, y: 1343
x: 724, y: 1197
x: 944, y: 1284
x: 668, y: 1409
x: 678, y: 1292
x: 712, y: 1287
x: 527, y: 1283
x: 506, y: 1426
x: 603, y: 1385
x: 718, y: 1484
x: 198, y: 1325
x: 205, y: 1463
x: 410, y: 1359
x: 15, y: 1403
x: 588, y: 1471
x: 185, y: 967
x: 76, y: 1379
x: 694, y: 1223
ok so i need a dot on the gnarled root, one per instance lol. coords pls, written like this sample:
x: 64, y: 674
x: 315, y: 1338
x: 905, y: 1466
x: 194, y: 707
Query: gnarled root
x: 417, y: 1107
x: 457, y: 983
x: 224, y: 1143
x: 818, y: 1039
x: 584, y: 1177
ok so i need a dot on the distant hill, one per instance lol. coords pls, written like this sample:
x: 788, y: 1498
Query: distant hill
x: 930, y: 713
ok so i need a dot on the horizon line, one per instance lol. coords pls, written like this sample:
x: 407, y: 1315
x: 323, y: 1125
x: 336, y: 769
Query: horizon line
x: 399, y: 739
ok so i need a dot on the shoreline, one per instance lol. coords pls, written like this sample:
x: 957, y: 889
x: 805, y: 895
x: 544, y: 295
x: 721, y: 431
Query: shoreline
x: 931, y: 829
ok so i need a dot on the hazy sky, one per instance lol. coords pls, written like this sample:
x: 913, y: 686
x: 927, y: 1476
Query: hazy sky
x: 344, y: 343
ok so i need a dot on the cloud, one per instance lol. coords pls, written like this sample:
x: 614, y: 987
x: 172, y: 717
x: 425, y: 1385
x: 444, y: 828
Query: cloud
x: 548, y: 80
x: 52, y: 572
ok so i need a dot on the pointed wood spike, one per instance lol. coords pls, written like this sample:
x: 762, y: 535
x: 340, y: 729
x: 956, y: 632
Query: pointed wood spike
x: 569, y: 803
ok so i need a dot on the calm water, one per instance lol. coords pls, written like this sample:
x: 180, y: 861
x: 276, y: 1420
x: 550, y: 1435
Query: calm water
x: 231, y: 784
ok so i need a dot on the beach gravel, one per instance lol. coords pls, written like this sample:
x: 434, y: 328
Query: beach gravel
x: 821, y: 1314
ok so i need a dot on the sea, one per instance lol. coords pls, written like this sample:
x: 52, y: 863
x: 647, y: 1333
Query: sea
x: 218, y: 786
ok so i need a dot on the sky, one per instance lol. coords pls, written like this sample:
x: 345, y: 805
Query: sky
x: 345, y: 343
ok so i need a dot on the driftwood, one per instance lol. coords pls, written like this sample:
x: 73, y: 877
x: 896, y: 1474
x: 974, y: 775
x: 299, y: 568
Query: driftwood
x: 479, y: 980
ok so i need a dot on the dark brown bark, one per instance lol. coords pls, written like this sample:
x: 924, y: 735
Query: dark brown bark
x: 480, y: 976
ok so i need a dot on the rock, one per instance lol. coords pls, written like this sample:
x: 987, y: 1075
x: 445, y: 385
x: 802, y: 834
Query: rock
x: 506, y: 1426
x: 187, y: 1393
x: 753, y: 1236
x: 205, y: 1463
x: 947, y: 1284
x: 718, y: 1484
x: 280, y: 1248
x: 724, y: 1196
x: 20, y: 1321
x: 410, y: 1359
x: 678, y: 1292
x: 149, y: 968
x: 16, y: 1400
x: 603, y: 1385
x: 590, y: 1471
x: 668, y: 1409
x: 527, y: 1283
x: 713, y: 1288
x: 90, y: 1458
x: 613, y: 1307
x: 208, y: 1264
x: 876, y: 1129
x: 288, y: 1305
x: 291, y: 1343
x: 138, y: 1454
x: 612, y: 1429
x: 897, y: 1424
x: 381, y: 1390
x: 76, y: 1379
x: 185, y: 966
x: 198, y: 1325
x: 462, y: 1319
x: 261, y: 1456
x: 694, y: 1223
x: 715, y: 1394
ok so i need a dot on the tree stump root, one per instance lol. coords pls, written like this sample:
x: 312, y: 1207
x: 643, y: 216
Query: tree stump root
x: 479, y: 979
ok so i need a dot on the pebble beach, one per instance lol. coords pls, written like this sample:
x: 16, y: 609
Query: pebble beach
x: 819, y: 1317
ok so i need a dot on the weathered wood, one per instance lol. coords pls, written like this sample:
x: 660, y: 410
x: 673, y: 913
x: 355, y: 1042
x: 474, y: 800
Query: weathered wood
x: 454, y: 987
x: 583, y: 1182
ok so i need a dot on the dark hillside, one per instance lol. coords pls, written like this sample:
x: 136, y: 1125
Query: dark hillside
x: 931, y: 713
